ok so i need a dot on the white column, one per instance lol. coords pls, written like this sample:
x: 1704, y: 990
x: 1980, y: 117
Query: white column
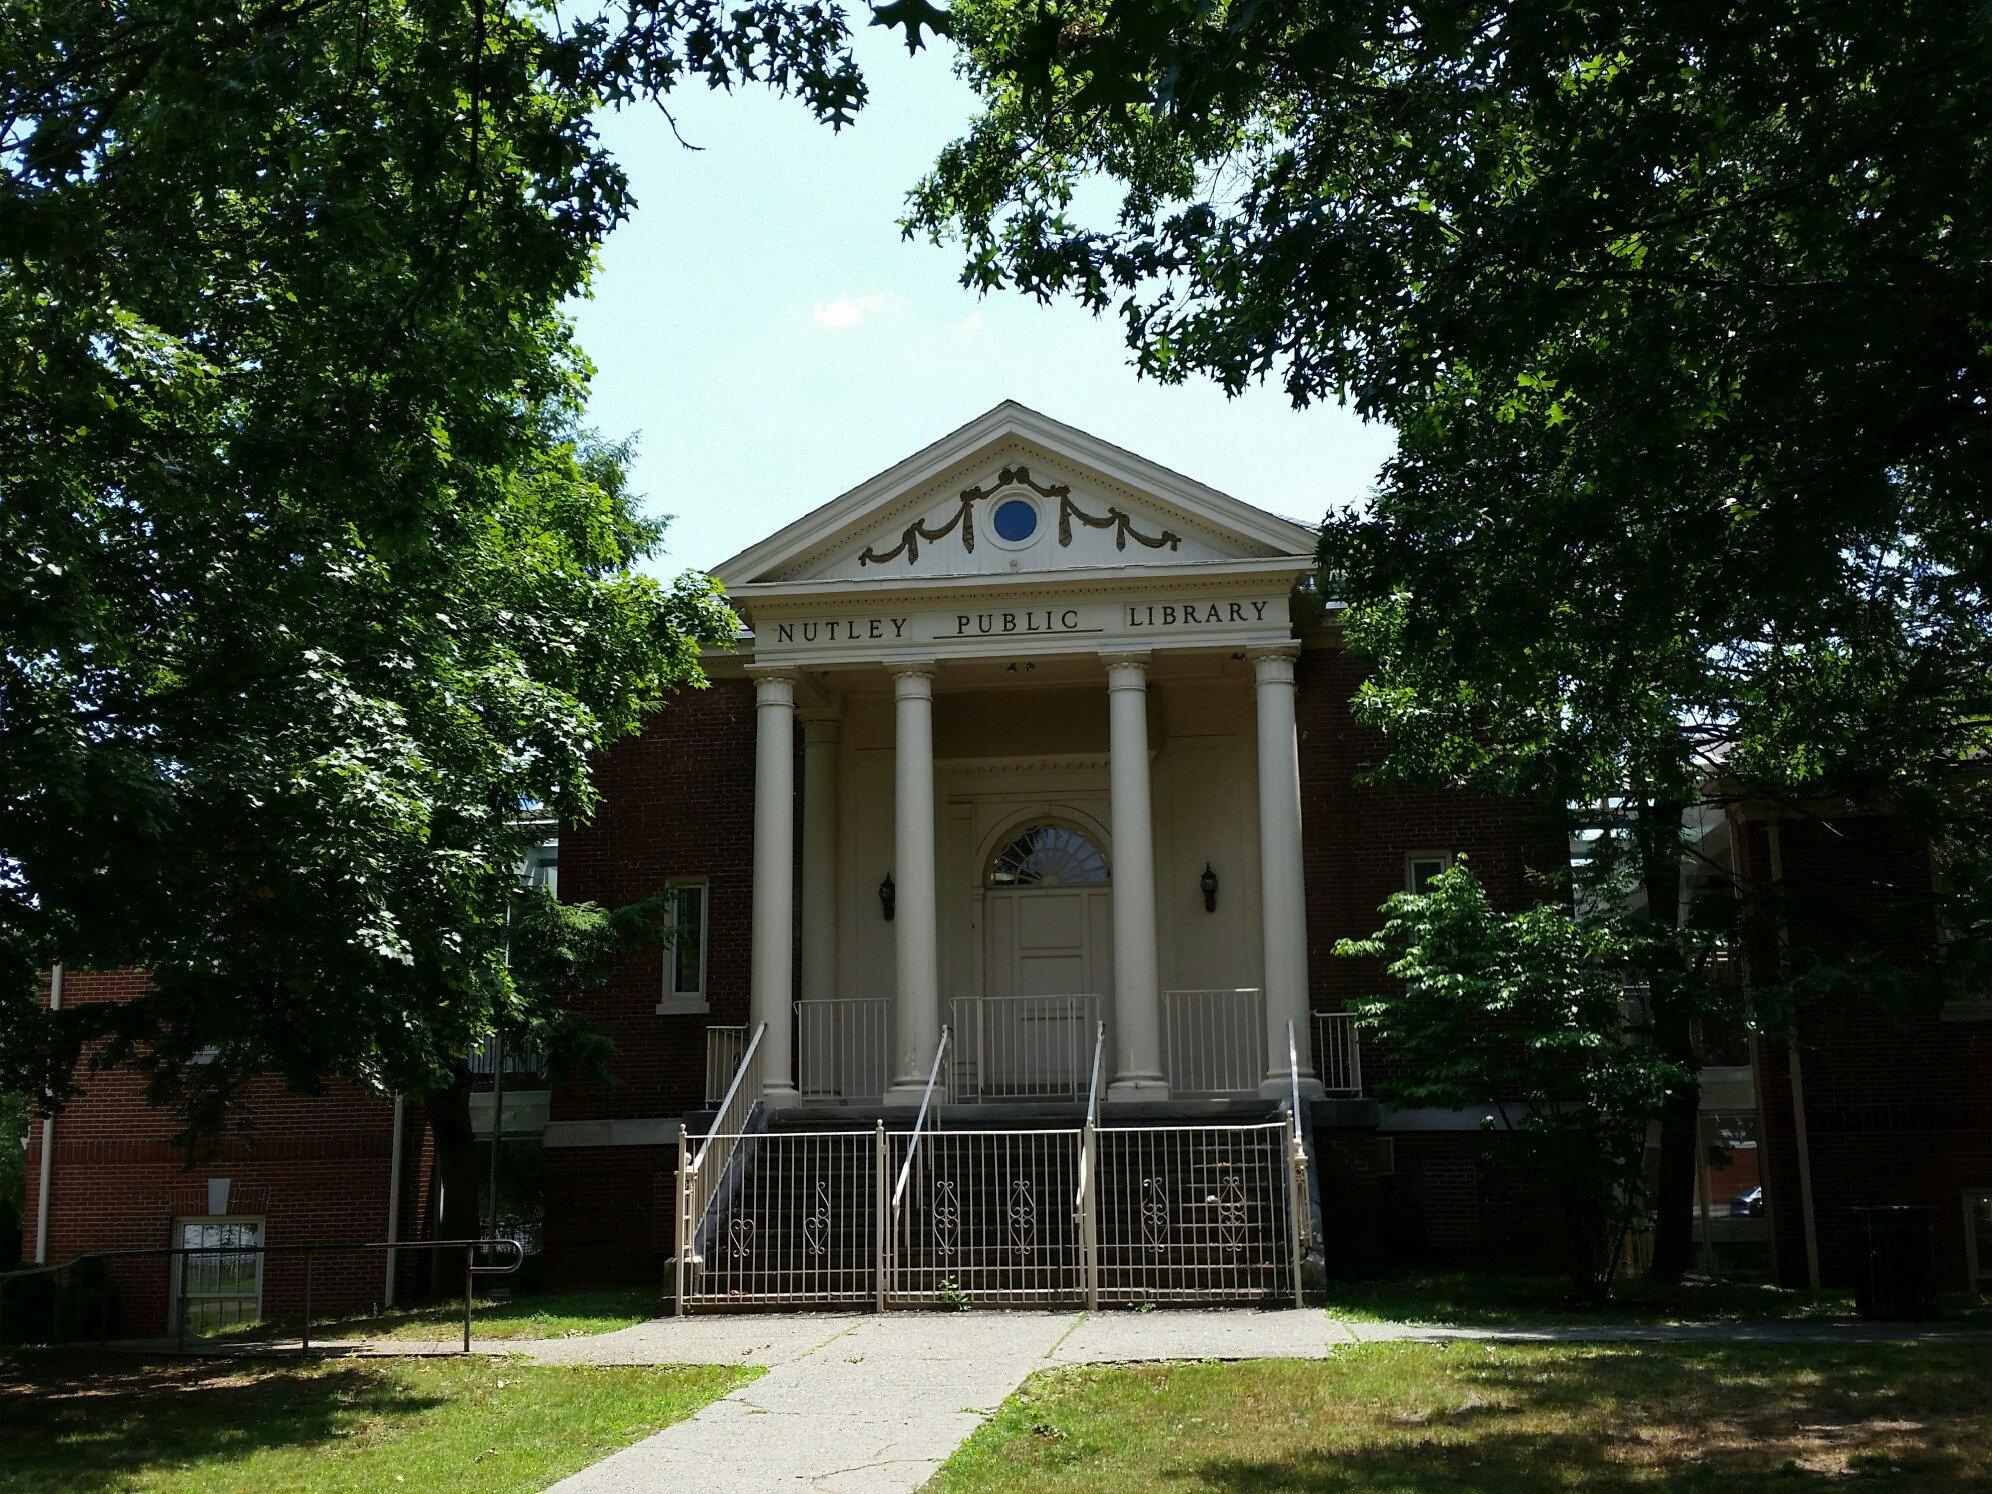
x: 916, y: 1011
x: 1137, y: 983
x: 1282, y: 878
x: 771, y: 989
x: 819, y: 858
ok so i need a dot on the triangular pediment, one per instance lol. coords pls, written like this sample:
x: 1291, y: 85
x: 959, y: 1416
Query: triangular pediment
x: 1014, y: 493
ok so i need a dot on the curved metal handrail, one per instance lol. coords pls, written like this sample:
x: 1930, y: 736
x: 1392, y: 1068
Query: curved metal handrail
x: 920, y: 1121
x: 1092, y: 1119
x: 1302, y: 1224
x: 717, y: 1128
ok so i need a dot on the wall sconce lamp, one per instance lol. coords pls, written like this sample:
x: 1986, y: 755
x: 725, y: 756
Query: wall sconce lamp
x: 1208, y: 881
x: 888, y: 897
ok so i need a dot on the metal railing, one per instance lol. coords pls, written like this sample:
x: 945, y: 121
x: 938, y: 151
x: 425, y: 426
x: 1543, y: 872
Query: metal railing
x: 1022, y: 1047
x: 725, y: 1047
x: 920, y: 1120
x: 705, y: 1173
x: 1195, y: 1214
x: 483, y: 1061
x: 1085, y: 1207
x: 842, y: 1047
x: 981, y: 1221
x: 1297, y: 1208
x: 1215, y: 1042
x: 1338, y: 1053
x: 151, y: 1292
x: 794, y: 1227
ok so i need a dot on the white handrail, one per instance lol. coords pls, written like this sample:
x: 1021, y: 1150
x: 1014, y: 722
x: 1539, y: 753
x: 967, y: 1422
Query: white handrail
x: 1302, y: 1225
x: 920, y: 1120
x: 1092, y: 1119
x: 719, y: 1119
x: 1093, y: 1088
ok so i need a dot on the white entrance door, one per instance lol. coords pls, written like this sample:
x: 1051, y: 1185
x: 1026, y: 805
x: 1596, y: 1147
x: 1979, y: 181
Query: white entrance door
x: 1047, y: 964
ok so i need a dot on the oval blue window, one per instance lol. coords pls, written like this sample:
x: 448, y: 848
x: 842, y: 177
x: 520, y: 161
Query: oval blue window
x: 1015, y: 520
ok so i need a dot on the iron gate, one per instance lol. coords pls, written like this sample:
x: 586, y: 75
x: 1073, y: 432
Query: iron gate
x: 1048, y: 1217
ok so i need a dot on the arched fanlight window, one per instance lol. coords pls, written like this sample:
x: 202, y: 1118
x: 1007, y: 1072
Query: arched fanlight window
x: 1049, y: 856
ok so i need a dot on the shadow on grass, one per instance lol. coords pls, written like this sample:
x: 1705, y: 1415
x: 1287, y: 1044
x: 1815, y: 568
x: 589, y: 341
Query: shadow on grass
x: 1729, y: 1417
x: 91, y: 1422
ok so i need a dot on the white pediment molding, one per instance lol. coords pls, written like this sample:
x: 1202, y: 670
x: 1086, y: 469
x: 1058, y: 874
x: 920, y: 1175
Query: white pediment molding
x: 1139, y: 502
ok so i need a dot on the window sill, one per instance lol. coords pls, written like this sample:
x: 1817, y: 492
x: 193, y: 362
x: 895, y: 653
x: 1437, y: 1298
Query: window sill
x: 683, y: 1006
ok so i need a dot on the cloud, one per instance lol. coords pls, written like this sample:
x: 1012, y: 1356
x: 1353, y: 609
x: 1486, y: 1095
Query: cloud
x: 846, y: 312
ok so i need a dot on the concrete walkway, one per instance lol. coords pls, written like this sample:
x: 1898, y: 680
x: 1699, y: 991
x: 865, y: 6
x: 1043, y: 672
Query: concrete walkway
x: 877, y: 1403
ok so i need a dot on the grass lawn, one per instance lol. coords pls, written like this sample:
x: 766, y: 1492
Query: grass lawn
x: 77, y: 1422
x: 1505, y: 1418
x: 545, y: 1315
x: 1501, y: 1299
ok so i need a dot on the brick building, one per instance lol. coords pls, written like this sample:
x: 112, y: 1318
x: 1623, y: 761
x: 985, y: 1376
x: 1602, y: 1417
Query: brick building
x: 1041, y: 746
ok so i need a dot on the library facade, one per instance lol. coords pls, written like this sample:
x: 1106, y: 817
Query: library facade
x: 1006, y: 852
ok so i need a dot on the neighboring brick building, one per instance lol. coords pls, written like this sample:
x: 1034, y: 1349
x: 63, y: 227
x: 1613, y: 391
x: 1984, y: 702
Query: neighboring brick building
x: 300, y: 1169
x: 1883, y: 1100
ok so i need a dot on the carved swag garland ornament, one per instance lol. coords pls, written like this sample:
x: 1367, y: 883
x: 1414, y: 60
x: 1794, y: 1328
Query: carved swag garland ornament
x: 1115, y: 519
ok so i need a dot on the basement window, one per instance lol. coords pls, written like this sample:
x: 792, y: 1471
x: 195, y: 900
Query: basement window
x: 685, y: 951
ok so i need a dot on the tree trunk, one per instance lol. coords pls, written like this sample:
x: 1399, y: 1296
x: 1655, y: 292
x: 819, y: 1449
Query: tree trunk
x: 448, y: 1111
x: 1657, y: 837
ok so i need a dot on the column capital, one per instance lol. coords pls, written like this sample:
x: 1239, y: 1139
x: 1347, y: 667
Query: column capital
x: 913, y: 679
x: 1127, y: 668
x: 774, y: 687
x: 1272, y: 664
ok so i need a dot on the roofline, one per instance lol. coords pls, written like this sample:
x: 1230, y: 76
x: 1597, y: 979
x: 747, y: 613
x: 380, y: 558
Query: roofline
x: 1010, y: 417
x: 1117, y: 577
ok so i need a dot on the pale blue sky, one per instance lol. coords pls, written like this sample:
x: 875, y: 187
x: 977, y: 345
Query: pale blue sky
x: 772, y: 340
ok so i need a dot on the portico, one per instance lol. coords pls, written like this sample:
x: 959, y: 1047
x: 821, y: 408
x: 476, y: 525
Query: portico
x: 1044, y: 698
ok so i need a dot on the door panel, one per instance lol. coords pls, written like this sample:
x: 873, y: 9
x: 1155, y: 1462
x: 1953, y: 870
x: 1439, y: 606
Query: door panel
x: 1042, y: 942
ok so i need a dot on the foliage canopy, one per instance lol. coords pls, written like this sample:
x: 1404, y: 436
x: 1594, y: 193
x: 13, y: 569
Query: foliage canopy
x: 313, y: 591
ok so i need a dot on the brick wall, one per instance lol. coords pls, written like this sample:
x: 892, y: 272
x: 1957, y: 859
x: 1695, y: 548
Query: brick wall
x: 609, y: 1213
x: 1356, y: 837
x: 1898, y: 1101
x: 313, y: 1167
x: 677, y: 804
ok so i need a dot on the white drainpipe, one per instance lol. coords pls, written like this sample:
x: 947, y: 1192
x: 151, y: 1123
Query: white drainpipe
x: 48, y: 1143
x: 393, y: 1202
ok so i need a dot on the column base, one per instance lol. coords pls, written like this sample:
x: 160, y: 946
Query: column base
x: 1279, y: 1087
x: 780, y: 1096
x: 1138, y: 1089
x: 907, y: 1095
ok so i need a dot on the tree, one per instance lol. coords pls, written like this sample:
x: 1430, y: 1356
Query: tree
x: 13, y: 1174
x: 1681, y: 314
x: 311, y: 585
x: 1521, y: 1015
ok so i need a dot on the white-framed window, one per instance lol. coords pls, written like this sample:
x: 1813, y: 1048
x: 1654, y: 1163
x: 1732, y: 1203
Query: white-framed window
x: 685, y: 950
x: 221, y: 1290
x: 1421, y: 866
x: 1978, y: 1238
x: 542, y: 867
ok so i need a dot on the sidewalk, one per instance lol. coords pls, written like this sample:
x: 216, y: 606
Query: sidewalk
x: 877, y: 1403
